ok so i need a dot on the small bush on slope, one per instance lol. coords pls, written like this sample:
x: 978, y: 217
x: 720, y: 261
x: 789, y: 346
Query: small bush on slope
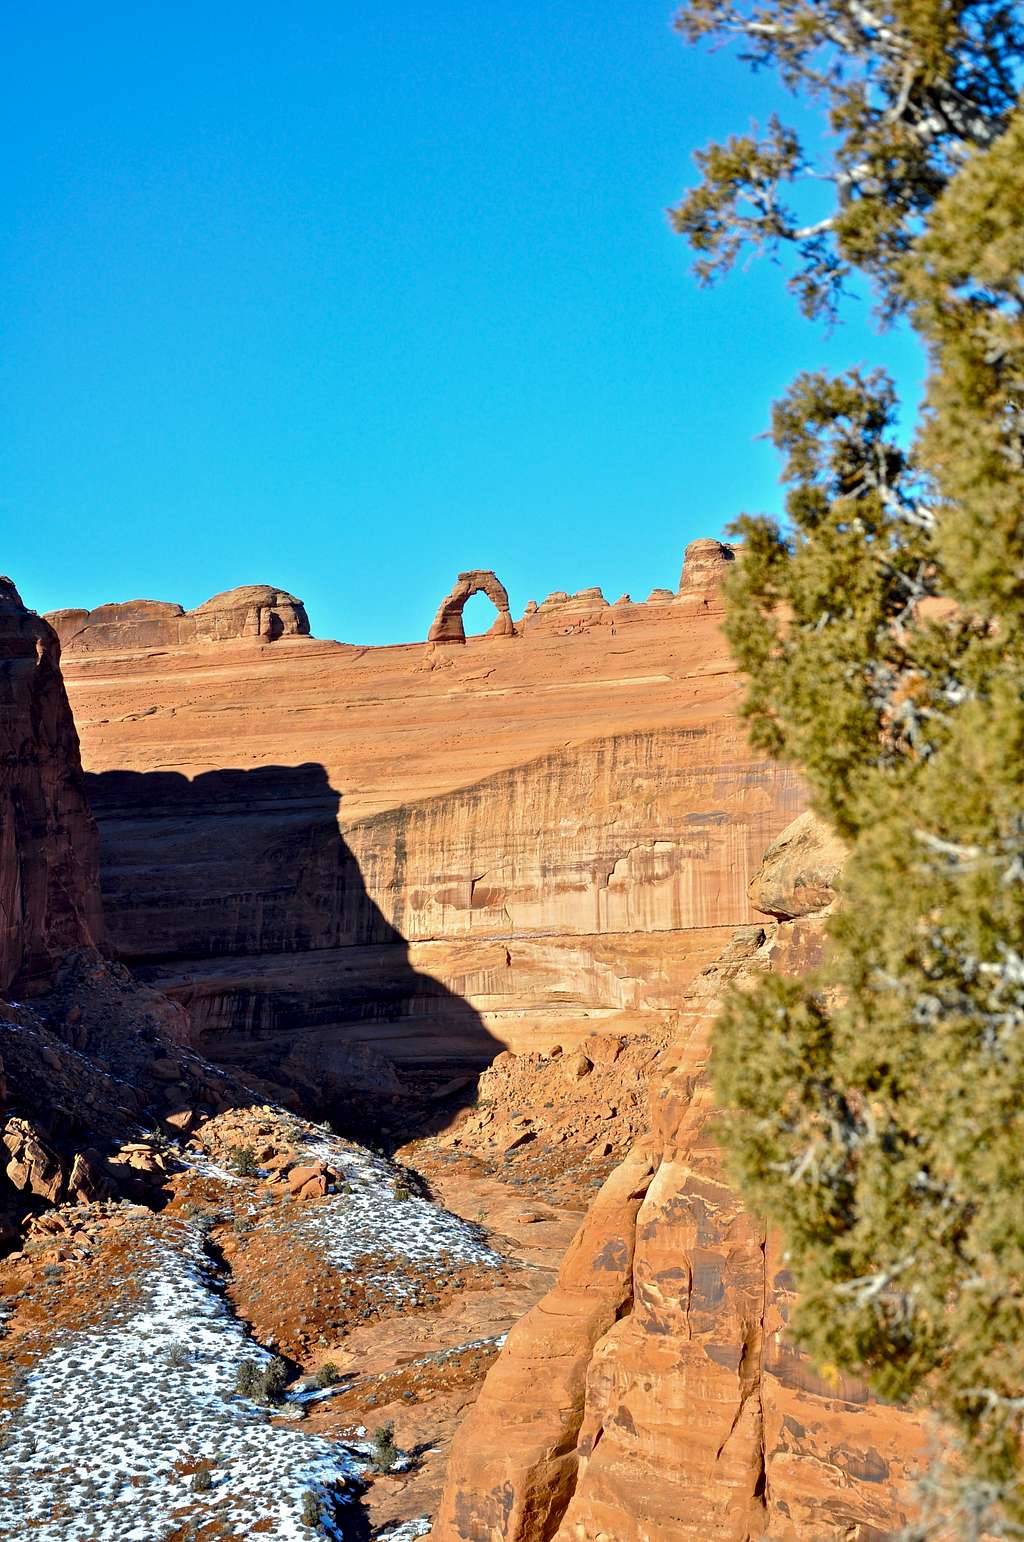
x: 385, y: 1452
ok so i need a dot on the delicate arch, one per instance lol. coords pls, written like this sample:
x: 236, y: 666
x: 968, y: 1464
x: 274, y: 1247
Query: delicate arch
x: 447, y: 625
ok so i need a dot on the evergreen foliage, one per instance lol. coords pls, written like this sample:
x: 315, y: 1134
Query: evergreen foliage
x: 882, y: 1101
x: 385, y: 1453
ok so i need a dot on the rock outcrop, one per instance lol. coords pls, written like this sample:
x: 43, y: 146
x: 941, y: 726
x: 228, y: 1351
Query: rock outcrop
x: 352, y: 865
x: 257, y: 611
x: 93, y: 1053
x: 447, y: 625
x: 652, y: 1395
x: 705, y: 564
x: 800, y: 871
x: 566, y: 613
x: 49, y: 851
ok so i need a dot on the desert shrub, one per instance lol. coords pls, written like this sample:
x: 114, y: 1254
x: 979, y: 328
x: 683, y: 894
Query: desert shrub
x: 385, y: 1453
x: 401, y: 1191
x: 248, y: 1380
x: 178, y: 1356
x: 243, y: 1161
x: 310, y: 1512
x: 202, y: 1482
x: 273, y: 1379
x: 262, y: 1382
x: 327, y: 1375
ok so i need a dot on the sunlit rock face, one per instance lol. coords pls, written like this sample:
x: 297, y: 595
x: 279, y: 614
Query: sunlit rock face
x: 652, y: 1395
x: 258, y: 612
x: 368, y: 868
x: 432, y: 852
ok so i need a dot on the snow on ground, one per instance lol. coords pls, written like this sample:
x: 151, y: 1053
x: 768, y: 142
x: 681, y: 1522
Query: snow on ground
x: 108, y: 1414
x: 369, y: 1225
x: 206, y: 1167
x: 408, y: 1531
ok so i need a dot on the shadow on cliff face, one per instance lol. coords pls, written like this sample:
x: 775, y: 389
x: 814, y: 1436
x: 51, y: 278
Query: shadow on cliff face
x: 236, y: 894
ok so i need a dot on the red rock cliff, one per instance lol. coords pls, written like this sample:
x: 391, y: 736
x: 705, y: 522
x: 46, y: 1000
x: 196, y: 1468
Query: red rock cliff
x: 430, y: 851
x: 49, y: 855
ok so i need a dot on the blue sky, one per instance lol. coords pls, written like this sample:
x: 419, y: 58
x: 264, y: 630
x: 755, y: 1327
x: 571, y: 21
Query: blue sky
x: 346, y: 298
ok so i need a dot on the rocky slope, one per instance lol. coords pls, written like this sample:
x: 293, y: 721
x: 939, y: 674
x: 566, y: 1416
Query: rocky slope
x: 652, y: 1394
x: 486, y: 893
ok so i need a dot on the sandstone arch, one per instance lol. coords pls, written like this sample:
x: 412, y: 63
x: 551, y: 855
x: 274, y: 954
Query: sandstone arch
x: 447, y: 624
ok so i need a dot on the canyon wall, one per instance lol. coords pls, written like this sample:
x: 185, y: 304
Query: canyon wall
x: 49, y: 852
x: 428, y: 853
x: 86, y: 1055
x: 364, y: 867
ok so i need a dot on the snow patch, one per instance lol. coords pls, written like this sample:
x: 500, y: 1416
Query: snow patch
x: 110, y: 1414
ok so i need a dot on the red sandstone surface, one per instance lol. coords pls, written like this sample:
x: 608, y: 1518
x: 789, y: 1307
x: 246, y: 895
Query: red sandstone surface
x: 49, y: 856
x: 512, y: 843
x: 652, y: 1395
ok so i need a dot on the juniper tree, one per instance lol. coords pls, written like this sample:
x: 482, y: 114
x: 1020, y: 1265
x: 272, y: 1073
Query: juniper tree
x: 881, y: 627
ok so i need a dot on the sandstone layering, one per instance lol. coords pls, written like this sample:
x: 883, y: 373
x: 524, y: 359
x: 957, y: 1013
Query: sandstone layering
x: 651, y: 1395
x: 344, y: 860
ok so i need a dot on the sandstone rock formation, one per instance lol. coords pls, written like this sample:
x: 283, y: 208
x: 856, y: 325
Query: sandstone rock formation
x: 49, y: 855
x: 430, y: 859
x: 94, y: 1053
x: 256, y: 611
x: 356, y: 865
x: 705, y: 563
x: 652, y: 1396
x: 566, y: 613
x: 447, y: 624
x: 800, y: 870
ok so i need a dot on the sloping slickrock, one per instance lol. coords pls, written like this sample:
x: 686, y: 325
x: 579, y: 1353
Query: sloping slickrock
x: 49, y: 853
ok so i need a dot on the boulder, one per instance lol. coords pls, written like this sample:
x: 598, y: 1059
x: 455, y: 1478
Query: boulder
x: 311, y: 1175
x: 31, y: 1165
x: 800, y: 871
